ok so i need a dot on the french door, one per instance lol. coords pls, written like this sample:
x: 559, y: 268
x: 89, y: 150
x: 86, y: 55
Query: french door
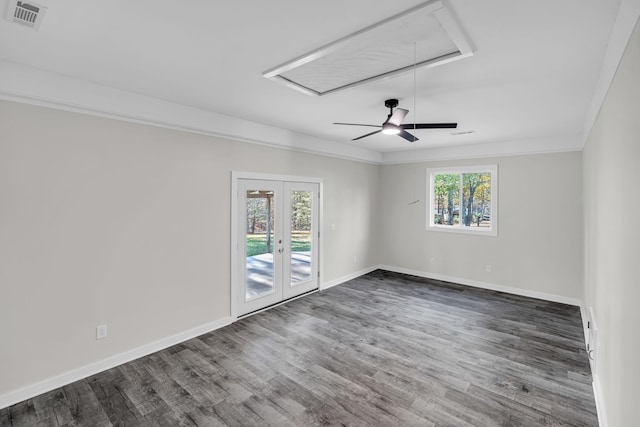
x: 277, y: 242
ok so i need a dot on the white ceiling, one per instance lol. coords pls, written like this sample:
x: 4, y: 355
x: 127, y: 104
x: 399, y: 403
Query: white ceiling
x: 532, y: 77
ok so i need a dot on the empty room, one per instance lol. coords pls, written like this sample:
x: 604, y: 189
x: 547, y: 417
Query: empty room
x: 408, y: 213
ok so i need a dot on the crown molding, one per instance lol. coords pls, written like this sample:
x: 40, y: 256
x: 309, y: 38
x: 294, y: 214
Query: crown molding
x: 46, y: 89
x: 42, y: 88
x: 551, y: 144
x: 626, y: 21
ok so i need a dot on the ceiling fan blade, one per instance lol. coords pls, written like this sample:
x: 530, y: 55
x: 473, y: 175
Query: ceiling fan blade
x: 369, y: 134
x: 429, y: 125
x: 406, y: 135
x: 357, y: 124
x: 397, y: 116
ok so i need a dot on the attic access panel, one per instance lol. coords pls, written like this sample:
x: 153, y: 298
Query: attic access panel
x: 378, y: 51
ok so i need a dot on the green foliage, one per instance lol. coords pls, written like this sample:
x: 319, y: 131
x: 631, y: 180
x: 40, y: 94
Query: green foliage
x: 476, y: 193
x: 446, y: 188
x: 301, y: 210
x: 256, y: 244
x: 260, y: 217
x: 443, y: 183
x: 462, y: 198
x: 258, y: 209
x: 300, y: 242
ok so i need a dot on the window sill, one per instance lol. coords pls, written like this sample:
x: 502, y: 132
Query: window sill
x: 464, y: 230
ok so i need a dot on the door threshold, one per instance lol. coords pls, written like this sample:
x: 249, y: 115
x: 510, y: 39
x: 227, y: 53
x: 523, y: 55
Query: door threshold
x: 260, y: 310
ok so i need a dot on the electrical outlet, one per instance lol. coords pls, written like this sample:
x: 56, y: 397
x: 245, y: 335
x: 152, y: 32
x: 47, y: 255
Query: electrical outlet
x: 433, y: 260
x: 488, y: 268
x: 355, y: 259
x: 101, y: 332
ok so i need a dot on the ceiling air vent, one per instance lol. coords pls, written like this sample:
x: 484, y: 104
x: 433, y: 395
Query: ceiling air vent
x: 26, y: 13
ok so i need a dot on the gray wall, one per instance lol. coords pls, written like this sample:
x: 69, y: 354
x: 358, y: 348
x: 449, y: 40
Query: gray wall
x: 612, y: 240
x: 538, y: 250
x: 103, y: 221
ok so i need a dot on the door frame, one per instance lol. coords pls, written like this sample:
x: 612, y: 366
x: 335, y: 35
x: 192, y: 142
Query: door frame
x: 237, y: 175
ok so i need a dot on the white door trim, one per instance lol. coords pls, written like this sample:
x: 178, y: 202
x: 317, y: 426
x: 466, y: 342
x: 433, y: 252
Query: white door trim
x: 237, y: 175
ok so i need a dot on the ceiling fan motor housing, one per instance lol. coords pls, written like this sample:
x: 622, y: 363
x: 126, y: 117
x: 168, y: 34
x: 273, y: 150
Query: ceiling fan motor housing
x: 391, y: 103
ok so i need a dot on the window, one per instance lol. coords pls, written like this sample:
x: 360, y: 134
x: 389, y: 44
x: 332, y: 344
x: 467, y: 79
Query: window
x: 463, y: 199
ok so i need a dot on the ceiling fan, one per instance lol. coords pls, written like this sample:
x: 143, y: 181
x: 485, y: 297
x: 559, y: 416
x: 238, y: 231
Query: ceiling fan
x: 394, y: 126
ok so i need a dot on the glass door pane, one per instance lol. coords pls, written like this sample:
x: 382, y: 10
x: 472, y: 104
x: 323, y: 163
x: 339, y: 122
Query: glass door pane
x: 259, y: 243
x: 300, y: 237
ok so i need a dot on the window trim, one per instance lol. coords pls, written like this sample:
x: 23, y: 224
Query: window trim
x: 431, y: 226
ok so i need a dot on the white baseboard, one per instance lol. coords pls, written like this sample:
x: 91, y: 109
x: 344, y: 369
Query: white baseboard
x: 484, y: 285
x: 597, y: 393
x: 585, y: 327
x: 33, y: 390
x: 339, y: 280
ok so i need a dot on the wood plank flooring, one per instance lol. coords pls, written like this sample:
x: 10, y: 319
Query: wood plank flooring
x: 384, y: 349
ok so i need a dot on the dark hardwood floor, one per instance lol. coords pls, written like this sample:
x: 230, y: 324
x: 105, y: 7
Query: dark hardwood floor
x: 384, y: 350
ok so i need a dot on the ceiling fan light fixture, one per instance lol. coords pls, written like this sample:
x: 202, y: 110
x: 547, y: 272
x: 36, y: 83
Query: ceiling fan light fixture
x: 390, y: 129
x: 393, y: 125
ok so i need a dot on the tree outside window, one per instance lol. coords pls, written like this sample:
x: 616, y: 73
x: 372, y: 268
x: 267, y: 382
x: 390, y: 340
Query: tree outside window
x: 463, y: 199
